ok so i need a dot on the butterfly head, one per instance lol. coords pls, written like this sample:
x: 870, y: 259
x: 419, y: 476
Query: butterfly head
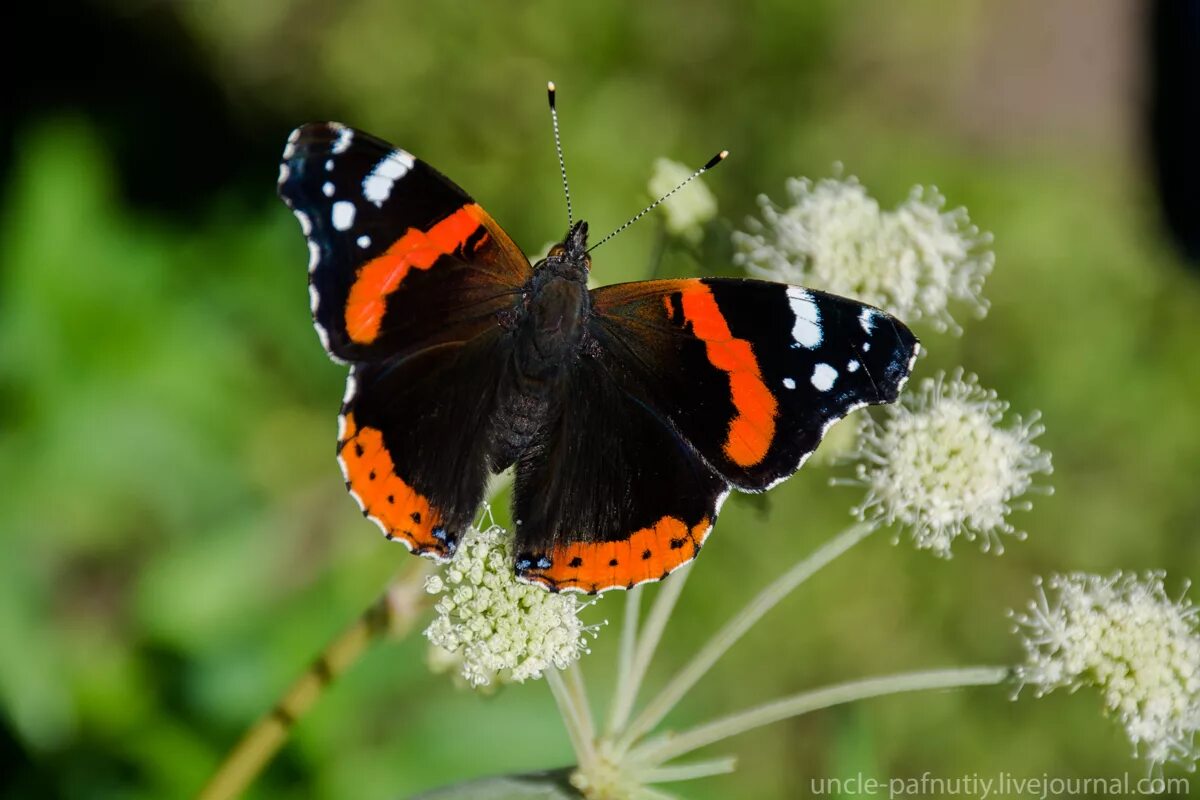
x: 570, y: 257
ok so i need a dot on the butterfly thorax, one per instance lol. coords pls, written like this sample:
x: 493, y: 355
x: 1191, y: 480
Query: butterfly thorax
x: 549, y: 330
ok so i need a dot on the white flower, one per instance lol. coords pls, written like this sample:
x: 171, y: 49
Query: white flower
x: 1123, y: 635
x: 941, y: 465
x: 690, y: 207
x: 495, y: 623
x: 911, y: 261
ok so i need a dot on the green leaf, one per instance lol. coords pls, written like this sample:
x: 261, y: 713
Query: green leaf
x: 553, y: 785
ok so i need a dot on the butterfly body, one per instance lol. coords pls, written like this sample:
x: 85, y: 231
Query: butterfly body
x: 628, y: 412
x: 548, y: 328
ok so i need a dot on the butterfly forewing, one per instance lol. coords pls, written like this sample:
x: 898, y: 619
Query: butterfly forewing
x: 751, y: 373
x: 400, y: 258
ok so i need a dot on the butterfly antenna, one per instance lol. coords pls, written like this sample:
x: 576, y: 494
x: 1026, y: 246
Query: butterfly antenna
x: 712, y: 162
x: 562, y: 165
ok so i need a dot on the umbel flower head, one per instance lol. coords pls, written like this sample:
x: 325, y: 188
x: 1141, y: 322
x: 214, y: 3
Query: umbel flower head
x: 689, y: 208
x: 942, y: 465
x: 497, y: 624
x: 1123, y: 635
x: 911, y: 261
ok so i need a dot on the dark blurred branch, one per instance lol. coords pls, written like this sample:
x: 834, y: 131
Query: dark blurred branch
x: 393, y: 615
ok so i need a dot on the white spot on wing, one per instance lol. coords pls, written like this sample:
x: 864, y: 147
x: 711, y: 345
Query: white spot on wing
x: 852, y: 366
x: 721, y: 498
x: 284, y: 173
x: 912, y: 361
x: 867, y: 319
x: 807, y: 328
x: 305, y: 222
x: 343, y: 215
x: 364, y: 241
x: 377, y: 186
x: 344, y: 136
x: 823, y: 377
x: 328, y: 188
x: 323, y: 335
x: 789, y: 383
x: 314, y: 256
x: 329, y: 165
x: 289, y: 149
x: 314, y: 299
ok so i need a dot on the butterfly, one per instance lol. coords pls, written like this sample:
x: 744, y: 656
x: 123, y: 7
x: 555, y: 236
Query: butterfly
x: 629, y: 412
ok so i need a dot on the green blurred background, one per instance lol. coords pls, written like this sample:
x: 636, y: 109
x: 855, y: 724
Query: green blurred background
x: 176, y: 541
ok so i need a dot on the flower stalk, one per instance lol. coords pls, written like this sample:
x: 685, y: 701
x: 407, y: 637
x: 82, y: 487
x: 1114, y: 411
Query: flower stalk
x: 392, y: 614
x: 673, y: 745
x: 733, y: 630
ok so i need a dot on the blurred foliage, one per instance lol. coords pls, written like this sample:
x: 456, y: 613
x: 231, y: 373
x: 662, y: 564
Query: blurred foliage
x: 177, y: 542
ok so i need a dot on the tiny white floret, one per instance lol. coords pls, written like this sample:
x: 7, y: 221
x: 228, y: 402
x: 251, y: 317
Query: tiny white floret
x: 500, y: 627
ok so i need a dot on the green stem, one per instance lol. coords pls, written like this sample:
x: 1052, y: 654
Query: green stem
x: 579, y: 692
x: 581, y: 743
x: 393, y: 613
x: 733, y: 630
x: 660, y: 249
x: 688, y: 772
x: 624, y: 694
x: 664, y: 748
x: 651, y: 635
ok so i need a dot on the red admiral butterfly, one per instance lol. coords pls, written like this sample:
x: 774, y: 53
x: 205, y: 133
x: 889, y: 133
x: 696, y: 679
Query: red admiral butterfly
x: 629, y: 411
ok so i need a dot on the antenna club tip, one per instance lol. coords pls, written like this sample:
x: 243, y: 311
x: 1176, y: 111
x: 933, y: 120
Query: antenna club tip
x: 550, y: 90
x: 717, y: 159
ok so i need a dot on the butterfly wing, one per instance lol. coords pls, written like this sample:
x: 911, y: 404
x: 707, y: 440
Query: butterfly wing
x: 751, y: 373
x: 610, y: 495
x: 408, y: 279
x: 413, y: 440
x: 690, y: 387
x: 400, y: 258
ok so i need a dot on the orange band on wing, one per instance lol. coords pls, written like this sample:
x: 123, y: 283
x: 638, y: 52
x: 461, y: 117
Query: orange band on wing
x: 403, y: 513
x: 649, y: 554
x: 753, y: 429
x: 383, y: 274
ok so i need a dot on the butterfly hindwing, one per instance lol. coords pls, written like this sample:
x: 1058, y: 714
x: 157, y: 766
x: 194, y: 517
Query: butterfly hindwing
x: 751, y: 373
x: 413, y: 440
x: 400, y: 258
x: 609, y: 495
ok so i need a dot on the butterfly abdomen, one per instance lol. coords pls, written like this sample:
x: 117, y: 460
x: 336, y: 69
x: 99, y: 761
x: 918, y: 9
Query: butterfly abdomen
x: 548, y: 331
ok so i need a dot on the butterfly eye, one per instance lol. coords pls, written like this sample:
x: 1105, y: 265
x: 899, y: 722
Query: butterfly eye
x: 558, y: 251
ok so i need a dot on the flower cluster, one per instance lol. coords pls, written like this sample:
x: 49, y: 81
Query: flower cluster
x: 912, y: 261
x: 1123, y: 635
x: 495, y: 624
x: 942, y: 465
